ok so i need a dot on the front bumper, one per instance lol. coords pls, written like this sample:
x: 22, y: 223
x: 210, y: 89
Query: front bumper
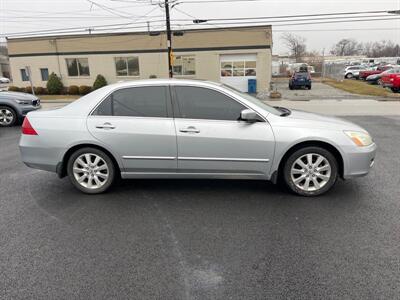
x: 359, y: 160
x: 28, y: 108
x: 387, y: 85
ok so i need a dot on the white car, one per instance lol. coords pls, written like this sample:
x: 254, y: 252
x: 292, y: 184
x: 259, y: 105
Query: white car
x: 4, y: 80
x: 353, y: 71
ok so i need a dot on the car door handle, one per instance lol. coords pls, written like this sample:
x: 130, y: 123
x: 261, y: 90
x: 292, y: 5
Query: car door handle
x: 105, y: 126
x: 190, y: 129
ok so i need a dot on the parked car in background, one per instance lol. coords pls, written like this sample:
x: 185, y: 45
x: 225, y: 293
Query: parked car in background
x: 391, y: 81
x: 4, y: 80
x: 300, y: 79
x: 374, y: 79
x: 376, y: 70
x: 14, y: 106
x: 389, y: 76
x: 353, y: 71
x: 192, y: 129
x: 377, y: 78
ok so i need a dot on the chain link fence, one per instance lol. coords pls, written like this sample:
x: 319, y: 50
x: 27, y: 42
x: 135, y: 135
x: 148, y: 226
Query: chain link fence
x: 334, y: 70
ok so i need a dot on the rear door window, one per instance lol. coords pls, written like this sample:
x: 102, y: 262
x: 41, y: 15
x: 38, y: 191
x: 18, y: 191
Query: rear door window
x: 150, y: 101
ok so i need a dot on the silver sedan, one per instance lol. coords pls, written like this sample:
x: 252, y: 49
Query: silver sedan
x: 192, y: 129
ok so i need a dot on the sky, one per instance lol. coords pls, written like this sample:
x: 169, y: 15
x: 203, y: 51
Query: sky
x: 33, y: 15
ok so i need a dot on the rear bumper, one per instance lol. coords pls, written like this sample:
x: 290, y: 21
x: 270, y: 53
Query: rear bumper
x: 37, y: 155
x: 359, y: 161
x: 300, y: 83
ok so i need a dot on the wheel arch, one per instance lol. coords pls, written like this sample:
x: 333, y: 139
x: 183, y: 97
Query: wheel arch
x: 62, y: 166
x: 316, y: 143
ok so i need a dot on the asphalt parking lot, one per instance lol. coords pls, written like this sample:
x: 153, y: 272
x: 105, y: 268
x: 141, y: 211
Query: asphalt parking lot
x: 184, y: 239
x: 319, y: 91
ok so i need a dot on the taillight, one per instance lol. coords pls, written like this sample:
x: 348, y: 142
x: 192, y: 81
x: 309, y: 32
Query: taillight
x: 27, y: 128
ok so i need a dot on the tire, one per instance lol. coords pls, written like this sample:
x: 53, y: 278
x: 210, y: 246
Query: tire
x: 8, y: 116
x: 395, y: 90
x: 93, y: 182
x: 290, y: 87
x: 326, y: 179
x: 309, y: 87
x: 349, y: 76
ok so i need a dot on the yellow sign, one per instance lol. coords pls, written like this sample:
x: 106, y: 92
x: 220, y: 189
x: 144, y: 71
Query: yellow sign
x: 172, y: 57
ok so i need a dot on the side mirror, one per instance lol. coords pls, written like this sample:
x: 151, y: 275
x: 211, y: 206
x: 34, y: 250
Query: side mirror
x: 250, y: 116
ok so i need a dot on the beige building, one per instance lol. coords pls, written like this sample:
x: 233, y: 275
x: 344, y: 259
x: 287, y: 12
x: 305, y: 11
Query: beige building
x: 228, y: 55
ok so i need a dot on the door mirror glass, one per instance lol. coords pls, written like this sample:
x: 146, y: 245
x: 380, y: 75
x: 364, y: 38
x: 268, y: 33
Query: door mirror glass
x: 250, y: 116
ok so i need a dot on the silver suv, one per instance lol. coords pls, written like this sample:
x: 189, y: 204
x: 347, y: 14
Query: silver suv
x: 192, y: 129
x: 14, y: 106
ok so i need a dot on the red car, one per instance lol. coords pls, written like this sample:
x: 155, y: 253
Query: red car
x: 392, y: 81
x: 364, y: 74
x: 388, y: 76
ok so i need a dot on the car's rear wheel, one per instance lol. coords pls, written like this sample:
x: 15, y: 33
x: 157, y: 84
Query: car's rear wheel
x: 8, y: 117
x: 349, y: 76
x: 91, y: 170
x: 310, y: 171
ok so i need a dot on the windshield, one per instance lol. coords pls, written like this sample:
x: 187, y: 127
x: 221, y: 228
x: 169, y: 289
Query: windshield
x: 253, y: 100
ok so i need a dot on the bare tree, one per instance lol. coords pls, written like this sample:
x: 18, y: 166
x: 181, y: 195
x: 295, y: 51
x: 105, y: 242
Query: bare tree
x: 381, y: 49
x: 346, y: 47
x: 296, y: 45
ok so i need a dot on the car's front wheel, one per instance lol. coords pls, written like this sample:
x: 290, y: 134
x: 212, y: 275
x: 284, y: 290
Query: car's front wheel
x: 91, y: 170
x: 349, y: 76
x: 310, y: 171
x: 8, y: 117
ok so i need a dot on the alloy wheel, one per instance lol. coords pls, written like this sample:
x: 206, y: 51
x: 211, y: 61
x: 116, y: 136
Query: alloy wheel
x: 91, y: 171
x: 310, y: 172
x: 6, y: 117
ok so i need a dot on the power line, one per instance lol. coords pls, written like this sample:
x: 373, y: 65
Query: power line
x: 301, y: 16
x: 218, y: 1
x: 209, y: 25
x: 299, y: 23
x: 337, y: 29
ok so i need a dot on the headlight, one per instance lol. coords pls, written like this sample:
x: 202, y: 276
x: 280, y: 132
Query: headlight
x: 23, y: 102
x: 361, y: 139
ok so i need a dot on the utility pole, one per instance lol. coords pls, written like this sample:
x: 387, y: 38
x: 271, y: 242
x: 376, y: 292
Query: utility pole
x: 169, y: 39
x: 28, y: 71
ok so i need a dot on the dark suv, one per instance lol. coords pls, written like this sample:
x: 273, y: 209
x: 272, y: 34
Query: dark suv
x: 300, y: 79
x: 14, y: 106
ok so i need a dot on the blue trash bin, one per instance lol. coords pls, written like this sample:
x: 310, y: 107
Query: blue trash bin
x: 252, y: 86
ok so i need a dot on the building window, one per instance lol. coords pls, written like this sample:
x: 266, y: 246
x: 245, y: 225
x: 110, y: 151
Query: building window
x: 238, y: 68
x: 184, y: 65
x: 44, y: 73
x: 24, y: 75
x: 127, y: 66
x: 78, y: 67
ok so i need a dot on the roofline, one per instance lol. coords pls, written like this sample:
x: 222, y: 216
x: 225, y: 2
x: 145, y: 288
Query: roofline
x: 47, y: 37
